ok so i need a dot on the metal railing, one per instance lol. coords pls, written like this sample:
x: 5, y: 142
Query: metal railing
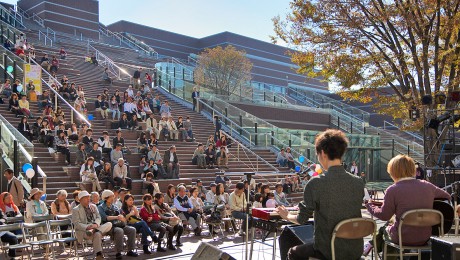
x: 151, y: 51
x: 51, y: 32
x: 46, y: 40
x: 123, y: 39
x: 38, y: 20
x: 17, y: 18
x: 388, y: 125
x: 102, y: 59
x: 246, y: 151
x: 22, y: 12
x: 58, y: 96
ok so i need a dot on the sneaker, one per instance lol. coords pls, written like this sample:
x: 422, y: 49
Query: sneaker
x: 367, y: 249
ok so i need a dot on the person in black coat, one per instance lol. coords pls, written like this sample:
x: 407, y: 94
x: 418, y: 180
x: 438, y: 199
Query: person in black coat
x: 14, y: 105
x: 218, y: 125
x: 24, y: 128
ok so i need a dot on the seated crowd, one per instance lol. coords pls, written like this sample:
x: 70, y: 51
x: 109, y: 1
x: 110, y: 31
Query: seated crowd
x: 113, y: 212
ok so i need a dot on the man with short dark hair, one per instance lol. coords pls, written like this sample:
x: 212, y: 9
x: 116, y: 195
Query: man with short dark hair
x: 238, y: 205
x: 344, y: 198
x: 280, y: 196
x: 14, y: 187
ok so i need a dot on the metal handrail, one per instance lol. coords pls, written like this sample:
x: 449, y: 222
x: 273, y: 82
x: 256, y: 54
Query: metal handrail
x: 45, y: 37
x: 22, y: 12
x: 13, y: 16
x: 397, y: 128
x: 115, y: 69
x: 38, y: 20
x: 51, y: 31
x: 150, y: 49
x: 250, y: 151
x: 15, y: 132
x: 122, y: 38
x: 57, y: 95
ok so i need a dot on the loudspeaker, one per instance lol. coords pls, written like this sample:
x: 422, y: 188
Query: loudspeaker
x: 209, y: 252
x: 427, y: 100
x: 445, y: 248
x: 294, y: 236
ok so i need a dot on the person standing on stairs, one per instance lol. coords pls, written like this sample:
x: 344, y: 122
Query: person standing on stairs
x: 137, y: 78
x: 218, y: 125
x: 171, y: 163
x: 195, y: 97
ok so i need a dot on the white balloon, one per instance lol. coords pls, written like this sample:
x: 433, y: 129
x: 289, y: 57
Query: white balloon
x: 30, y: 173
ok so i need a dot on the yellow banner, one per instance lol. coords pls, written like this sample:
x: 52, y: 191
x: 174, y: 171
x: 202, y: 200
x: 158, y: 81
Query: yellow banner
x: 33, y: 73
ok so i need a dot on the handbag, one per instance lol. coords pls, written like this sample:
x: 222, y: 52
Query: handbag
x: 215, y: 216
x: 171, y: 222
x: 133, y: 220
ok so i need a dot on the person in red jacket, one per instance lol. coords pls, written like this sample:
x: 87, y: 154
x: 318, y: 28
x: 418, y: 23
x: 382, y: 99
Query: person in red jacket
x: 150, y: 215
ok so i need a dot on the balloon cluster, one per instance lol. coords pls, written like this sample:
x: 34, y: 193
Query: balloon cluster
x: 28, y: 169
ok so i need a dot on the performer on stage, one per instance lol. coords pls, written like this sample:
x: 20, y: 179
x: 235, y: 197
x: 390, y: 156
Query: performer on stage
x: 333, y: 196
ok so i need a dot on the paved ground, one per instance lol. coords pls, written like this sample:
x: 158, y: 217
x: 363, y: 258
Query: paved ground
x: 233, y: 245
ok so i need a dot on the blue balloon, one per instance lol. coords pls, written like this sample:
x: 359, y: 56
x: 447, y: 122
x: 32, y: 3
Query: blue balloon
x: 297, y: 168
x: 26, y: 166
x: 90, y: 117
x: 43, y: 197
x: 9, y: 69
x: 302, y: 159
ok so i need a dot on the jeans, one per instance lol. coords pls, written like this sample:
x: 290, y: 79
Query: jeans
x: 143, y: 228
x: 241, y: 215
x: 11, y: 239
x: 118, y: 235
x: 282, y: 162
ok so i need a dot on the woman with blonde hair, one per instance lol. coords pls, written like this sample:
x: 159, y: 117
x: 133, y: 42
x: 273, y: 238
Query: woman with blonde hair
x: 407, y: 193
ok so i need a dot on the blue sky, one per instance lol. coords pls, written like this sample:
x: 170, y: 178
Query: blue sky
x: 197, y: 18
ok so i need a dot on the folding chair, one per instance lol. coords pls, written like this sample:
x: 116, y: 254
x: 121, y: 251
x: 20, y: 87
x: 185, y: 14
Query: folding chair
x: 64, y: 226
x: 354, y: 228
x: 21, y: 245
x: 12, y: 220
x: 38, y: 234
x: 415, y: 218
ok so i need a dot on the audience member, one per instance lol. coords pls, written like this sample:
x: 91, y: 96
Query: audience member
x: 238, y: 205
x: 111, y: 213
x: 88, y: 224
x: 171, y: 163
x: 173, y: 223
x: 186, y: 211
x: 199, y: 157
x: 120, y: 174
x: 280, y: 196
x: 60, y: 206
x: 14, y: 187
x: 133, y: 219
x: 88, y: 175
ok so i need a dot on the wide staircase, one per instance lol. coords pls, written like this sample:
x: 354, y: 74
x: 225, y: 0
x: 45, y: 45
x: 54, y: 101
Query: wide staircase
x: 67, y: 177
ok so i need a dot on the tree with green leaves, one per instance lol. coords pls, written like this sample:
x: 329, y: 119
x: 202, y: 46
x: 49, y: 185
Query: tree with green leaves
x: 224, y: 71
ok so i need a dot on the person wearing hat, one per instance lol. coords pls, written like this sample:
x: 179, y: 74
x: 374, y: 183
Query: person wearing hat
x: 87, y: 222
x: 35, y: 207
x: 171, y: 163
x: 111, y: 214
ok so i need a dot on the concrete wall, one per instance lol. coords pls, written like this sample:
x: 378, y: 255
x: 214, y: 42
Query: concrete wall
x: 70, y: 16
x: 289, y: 118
